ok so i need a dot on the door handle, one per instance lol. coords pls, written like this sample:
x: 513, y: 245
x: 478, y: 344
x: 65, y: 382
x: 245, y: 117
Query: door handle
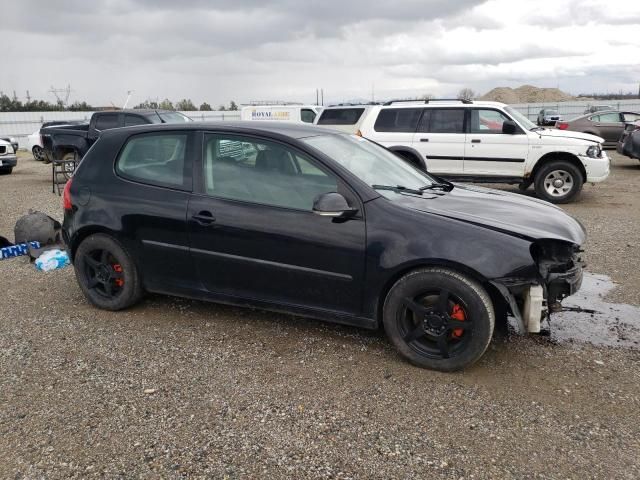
x: 424, y: 139
x: 475, y: 140
x: 597, y: 125
x: 204, y: 218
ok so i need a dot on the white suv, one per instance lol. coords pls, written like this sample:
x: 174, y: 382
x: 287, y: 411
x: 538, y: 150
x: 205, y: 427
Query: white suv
x: 487, y: 142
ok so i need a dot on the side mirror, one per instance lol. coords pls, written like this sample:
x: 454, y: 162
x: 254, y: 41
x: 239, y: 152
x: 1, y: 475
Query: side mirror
x: 509, y: 127
x: 332, y: 204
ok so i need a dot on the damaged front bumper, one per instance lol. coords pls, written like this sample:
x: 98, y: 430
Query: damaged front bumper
x: 532, y: 299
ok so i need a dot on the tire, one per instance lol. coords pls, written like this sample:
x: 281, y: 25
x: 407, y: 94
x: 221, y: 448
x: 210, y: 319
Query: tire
x: 430, y: 336
x: 37, y: 153
x: 567, y: 175
x: 68, y: 171
x: 6, y: 170
x: 106, y: 273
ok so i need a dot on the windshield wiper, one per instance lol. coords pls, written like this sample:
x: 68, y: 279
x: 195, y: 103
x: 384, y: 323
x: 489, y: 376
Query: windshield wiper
x: 397, y: 189
x: 436, y: 186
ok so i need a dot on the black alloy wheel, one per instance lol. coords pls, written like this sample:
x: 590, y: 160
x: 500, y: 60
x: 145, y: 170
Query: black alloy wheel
x: 438, y: 318
x: 106, y: 273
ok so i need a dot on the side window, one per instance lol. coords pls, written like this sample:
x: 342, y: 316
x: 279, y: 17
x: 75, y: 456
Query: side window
x: 263, y: 172
x: 340, y: 116
x: 307, y: 115
x: 486, y: 121
x: 397, y: 120
x: 131, y: 120
x: 157, y: 159
x: 445, y: 120
x: 595, y: 118
x: 609, y: 118
x: 106, y: 121
x: 631, y: 117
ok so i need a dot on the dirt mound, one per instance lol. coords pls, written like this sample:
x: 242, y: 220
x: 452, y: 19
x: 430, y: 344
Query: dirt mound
x: 526, y: 94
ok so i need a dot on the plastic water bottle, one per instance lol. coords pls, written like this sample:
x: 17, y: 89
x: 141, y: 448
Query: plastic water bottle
x: 17, y: 250
x: 52, y: 259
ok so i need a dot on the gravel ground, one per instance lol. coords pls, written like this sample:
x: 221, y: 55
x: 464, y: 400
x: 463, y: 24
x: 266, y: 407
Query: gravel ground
x: 176, y: 388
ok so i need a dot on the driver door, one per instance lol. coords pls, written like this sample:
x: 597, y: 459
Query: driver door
x: 489, y: 151
x: 253, y: 233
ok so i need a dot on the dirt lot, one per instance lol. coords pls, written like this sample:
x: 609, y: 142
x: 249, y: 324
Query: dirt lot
x: 176, y: 388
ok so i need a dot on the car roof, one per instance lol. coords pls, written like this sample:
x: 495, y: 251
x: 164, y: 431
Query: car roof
x: 278, y: 127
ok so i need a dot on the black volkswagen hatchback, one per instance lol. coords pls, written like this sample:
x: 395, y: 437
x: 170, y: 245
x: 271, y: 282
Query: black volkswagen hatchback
x: 315, y: 223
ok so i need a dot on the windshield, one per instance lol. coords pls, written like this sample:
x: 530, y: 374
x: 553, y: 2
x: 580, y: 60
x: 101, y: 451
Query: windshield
x: 173, y: 117
x: 371, y: 163
x: 520, y: 118
x: 551, y: 112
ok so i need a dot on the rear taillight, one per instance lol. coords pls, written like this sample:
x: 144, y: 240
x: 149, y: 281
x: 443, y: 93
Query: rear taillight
x: 562, y: 125
x: 66, y: 196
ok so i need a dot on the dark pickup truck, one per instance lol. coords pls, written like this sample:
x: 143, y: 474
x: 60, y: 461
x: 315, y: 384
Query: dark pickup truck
x: 71, y: 142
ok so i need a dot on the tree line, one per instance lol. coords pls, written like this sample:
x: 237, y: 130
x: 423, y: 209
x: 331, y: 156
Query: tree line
x: 12, y: 104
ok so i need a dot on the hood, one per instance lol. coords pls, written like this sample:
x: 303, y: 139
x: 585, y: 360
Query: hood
x: 554, y: 133
x: 510, y: 213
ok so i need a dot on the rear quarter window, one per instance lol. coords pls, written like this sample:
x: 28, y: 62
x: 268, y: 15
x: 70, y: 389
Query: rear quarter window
x: 398, y: 120
x: 340, y: 116
x: 156, y: 159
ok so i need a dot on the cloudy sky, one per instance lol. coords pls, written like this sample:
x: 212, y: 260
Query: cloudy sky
x: 243, y: 50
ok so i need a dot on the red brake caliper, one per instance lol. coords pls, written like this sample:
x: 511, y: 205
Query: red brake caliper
x: 457, y: 314
x: 118, y: 269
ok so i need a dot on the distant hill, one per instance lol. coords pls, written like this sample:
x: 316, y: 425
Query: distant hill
x: 526, y: 94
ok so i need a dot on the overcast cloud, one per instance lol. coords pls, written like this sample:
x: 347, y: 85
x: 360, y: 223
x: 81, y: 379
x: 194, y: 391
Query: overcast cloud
x: 223, y: 50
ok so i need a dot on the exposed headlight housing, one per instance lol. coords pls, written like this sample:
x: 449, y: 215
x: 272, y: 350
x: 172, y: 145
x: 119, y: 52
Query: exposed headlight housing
x: 594, y: 151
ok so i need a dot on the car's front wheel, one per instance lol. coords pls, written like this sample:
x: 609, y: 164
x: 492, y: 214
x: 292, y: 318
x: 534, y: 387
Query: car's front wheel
x: 106, y: 273
x: 439, y: 319
x: 558, y: 182
x: 6, y: 170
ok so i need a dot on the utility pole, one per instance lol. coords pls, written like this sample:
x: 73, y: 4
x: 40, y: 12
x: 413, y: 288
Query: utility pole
x: 322, y: 96
x: 317, y: 99
x: 58, y: 92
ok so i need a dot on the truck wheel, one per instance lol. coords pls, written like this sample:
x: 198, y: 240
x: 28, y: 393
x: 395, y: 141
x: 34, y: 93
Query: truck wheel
x: 106, y: 273
x: 439, y: 319
x: 558, y: 182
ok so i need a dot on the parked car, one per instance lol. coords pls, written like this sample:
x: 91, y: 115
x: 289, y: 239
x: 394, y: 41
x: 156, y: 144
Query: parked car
x: 316, y: 223
x: 8, y: 158
x: 346, y: 118
x: 486, y: 142
x: 598, y: 108
x: 286, y: 113
x: 71, y: 142
x: 548, y: 117
x: 12, y: 141
x: 608, y: 125
x: 629, y: 142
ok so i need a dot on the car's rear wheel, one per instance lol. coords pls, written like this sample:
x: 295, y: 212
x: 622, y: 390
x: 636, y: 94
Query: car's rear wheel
x: 439, y: 319
x: 558, y: 182
x: 106, y: 273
